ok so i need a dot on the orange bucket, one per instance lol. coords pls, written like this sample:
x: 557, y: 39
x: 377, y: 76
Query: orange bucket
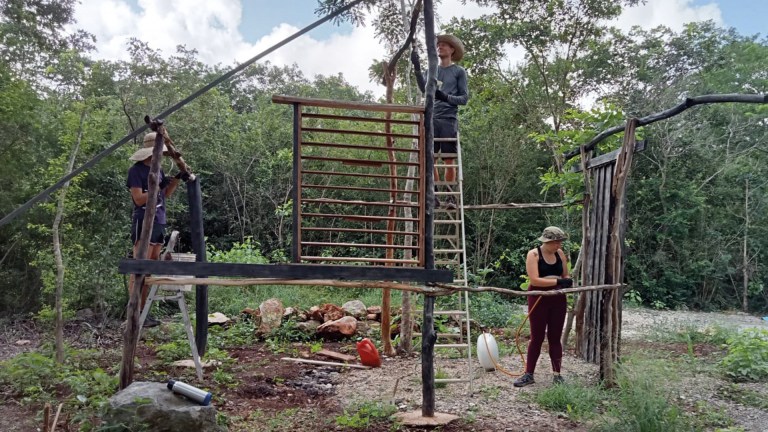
x: 369, y: 355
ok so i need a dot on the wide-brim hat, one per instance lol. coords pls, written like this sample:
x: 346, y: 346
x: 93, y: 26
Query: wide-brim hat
x: 458, y: 46
x: 552, y: 233
x: 146, y: 150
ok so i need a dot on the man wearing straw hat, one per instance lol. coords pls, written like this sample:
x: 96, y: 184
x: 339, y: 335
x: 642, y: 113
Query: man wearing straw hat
x: 138, y: 184
x: 451, y: 92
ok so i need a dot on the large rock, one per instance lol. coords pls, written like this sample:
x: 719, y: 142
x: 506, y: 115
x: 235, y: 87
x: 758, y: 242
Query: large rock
x: 308, y: 327
x: 327, y: 312
x: 338, y: 329
x: 354, y: 308
x: 151, y: 407
x: 271, y: 313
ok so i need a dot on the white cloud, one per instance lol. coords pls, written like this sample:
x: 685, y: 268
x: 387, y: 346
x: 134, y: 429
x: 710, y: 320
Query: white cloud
x: 669, y: 13
x: 212, y: 29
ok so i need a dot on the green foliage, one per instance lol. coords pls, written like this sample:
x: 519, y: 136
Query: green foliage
x: 246, y: 252
x: 363, y: 415
x: 747, y: 358
x: 79, y: 382
x: 742, y: 395
x: 239, y: 334
x: 491, y: 309
x: 574, y: 399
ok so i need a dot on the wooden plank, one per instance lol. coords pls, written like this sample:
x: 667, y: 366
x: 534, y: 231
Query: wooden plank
x: 359, y: 230
x: 297, y: 180
x: 351, y: 105
x: 355, y: 146
x: 324, y: 363
x: 361, y: 259
x: 360, y: 118
x: 358, y: 245
x: 358, y: 161
x: 360, y: 132
x: 285, y: 271
x: 195, y: 199
x: 336, y: 355
x: 604, y: 159
x: 363, y: 203
x: 366, y: 175
x: 355, y: 188
x: 357, y: 217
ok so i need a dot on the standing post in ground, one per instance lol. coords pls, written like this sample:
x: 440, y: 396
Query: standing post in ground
x: 194, y: 196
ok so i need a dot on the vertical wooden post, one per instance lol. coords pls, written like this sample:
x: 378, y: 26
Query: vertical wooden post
x: 131, y: 332
x: 195, y: 198
x: 429, y: 336
x: 296, y: 241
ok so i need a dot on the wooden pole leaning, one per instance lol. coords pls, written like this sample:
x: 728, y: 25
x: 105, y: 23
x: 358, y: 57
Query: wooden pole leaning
x: 131, y: 332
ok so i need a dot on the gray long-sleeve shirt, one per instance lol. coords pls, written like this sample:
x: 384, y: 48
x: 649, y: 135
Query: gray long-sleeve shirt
x: 452, y: 80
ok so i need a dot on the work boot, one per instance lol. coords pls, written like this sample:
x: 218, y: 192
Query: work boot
x: 526, y: 379
x: 151, y: 322
x: 451, y: 203
x: 557, y: 379
x: 438, y: 204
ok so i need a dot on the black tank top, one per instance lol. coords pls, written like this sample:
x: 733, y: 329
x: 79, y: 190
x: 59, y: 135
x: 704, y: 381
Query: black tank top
x: 547, y: 269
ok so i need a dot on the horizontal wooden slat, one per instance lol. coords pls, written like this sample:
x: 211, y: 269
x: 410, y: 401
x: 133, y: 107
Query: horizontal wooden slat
x: 359, y: 161
x: 285, y: 271
x: 359, y: 132
x: 351, y: 105
x: 357, y: 245
x: 330, y: 187
x: 357, y: 147
x: 360, y: 259
x: 348, y: 174
x: 357, y: 118
x: 361, y: 217
x: 361, y: 203
x: 360, y: 230
x: 446, y: 155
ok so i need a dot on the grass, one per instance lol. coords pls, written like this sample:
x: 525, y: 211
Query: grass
x: 575, y: 399
x: 742, y: 395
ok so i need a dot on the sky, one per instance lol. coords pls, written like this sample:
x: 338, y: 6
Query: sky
x: 231, y: 31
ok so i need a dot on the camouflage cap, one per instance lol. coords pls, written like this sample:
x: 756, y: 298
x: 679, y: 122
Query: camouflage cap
x: 552, y: 233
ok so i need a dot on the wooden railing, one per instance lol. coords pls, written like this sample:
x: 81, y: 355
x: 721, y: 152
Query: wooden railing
x: 359, y: 182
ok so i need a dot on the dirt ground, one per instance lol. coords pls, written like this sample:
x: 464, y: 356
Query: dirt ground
x: 261, y: 392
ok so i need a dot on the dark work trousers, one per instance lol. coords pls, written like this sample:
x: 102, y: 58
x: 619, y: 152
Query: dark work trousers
x: 547, y: 318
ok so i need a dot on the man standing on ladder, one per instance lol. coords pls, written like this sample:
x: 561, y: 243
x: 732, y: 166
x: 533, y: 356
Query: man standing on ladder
x: 451, y: 92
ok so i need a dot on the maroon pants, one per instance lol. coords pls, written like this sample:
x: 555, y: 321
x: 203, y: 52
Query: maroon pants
x: 547, y: 319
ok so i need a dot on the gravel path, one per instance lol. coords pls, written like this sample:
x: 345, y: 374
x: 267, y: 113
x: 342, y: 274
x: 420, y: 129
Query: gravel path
x: 495, y: 405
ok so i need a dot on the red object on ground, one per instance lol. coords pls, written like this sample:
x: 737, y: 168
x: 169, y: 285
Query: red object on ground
x: 369, y: 355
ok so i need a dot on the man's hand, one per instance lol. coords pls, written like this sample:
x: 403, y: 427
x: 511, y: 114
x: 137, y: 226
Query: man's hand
x: 415, y: 59
x: 564, y: 282
x: 441, y: 96
x: 183, y: 176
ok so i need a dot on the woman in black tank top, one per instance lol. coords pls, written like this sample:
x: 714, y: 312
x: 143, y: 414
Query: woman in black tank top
x: 547, y: 268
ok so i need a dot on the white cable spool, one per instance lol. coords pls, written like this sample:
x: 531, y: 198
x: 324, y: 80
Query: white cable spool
x: 487, y: 351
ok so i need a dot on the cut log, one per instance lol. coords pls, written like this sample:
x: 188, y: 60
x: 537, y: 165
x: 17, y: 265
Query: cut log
x: 336, y: 355
x: 324, y: 363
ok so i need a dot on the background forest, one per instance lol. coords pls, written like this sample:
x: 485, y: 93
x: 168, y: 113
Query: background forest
x: 697, y: 235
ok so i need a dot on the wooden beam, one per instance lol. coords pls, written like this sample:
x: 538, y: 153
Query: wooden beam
x: 360, y: 132
x: 360, y: 119
x: 350, y: 105
x: 608, y: 158
x: 195, y: 200
x: 285, y: 271
x: 325, y: 363
x: 688, y: 103
x: 517, y: 206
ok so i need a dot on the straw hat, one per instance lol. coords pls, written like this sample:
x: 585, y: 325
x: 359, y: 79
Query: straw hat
x: 146, y: 151
x: 552, y: 233
x: 458, y: 47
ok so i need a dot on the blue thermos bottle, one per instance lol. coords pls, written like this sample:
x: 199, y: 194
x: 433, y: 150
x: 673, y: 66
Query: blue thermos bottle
x: 190, y: 392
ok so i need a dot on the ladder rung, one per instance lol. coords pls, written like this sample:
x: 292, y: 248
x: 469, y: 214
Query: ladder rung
x: 449, y: 312
x: 448, y: 193
x: 448, y: 251
x: 446, y: 155
x: 445, y: 262
x: 447, y: 221
x: 449, y: 335
x: 445, y: 237
x: 445, y: 183
x: 446, y: 210
x: 456, y: 346
x: 450, y: 380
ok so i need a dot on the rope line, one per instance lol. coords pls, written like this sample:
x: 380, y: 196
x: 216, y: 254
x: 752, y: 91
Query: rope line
x: 106, y: 152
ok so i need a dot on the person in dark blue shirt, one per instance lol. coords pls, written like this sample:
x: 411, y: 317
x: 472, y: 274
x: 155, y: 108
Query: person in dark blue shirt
x: 138, y: 185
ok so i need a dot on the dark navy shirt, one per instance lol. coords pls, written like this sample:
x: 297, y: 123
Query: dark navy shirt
x: 138, y: 177
x: 452, y: 80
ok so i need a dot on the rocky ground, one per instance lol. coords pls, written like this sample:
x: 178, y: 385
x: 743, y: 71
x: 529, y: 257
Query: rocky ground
x: 261, y: 392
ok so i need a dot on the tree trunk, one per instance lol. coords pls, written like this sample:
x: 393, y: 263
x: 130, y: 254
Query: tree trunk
x: 744, y: 255
x: 55, y: 229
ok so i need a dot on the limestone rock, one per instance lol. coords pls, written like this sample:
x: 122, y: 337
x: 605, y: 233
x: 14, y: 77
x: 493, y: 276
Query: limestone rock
x: 354, y: 308
x: 330, y: 312
x: 271, y: 312
x: 338, y: 329
x: 308, y: 327
x: 374, y: 310
x: 151, y: 407
x: 217, y: 318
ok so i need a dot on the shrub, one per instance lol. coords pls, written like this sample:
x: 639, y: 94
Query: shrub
x: 747, y: 358
x: 574, y: 399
